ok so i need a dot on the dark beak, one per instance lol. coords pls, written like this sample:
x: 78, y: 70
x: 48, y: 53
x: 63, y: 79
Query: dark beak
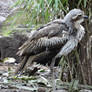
x: 85, y: 17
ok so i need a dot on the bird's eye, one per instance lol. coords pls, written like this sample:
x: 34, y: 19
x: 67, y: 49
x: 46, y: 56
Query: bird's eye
x: 79, y: 15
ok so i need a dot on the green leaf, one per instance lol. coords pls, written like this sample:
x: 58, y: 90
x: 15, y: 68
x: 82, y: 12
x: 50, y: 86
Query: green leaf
x: 56, y: 5
x: 49, y: 2
x: 63, y: 8
x: 85, y: 3
x: 73, y: 86
x: 18, y: 2
x: 29, y: 4
x: 79, y: 3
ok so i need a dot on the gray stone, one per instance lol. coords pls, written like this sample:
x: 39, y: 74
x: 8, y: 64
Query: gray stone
x: 85, y: 90
x: 61, y: 90
x: 2, y: 19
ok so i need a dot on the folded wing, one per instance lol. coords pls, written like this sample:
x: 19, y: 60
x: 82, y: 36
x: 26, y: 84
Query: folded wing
x: 44, y: 43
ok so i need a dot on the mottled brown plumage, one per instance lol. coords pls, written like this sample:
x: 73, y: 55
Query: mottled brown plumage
x: 44, y: 43
x: 56, y: 38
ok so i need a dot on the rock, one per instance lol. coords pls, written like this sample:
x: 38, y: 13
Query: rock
x: 5, y: 9
x: 9, y: 60
x: 2, y: 19
x: 9, y: 46
x: 61, y: 90
x: 41, y: 89
x: 85, y: 90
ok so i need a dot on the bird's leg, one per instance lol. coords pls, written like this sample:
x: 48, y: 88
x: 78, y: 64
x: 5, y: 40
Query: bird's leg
x: 52, y: 63
x: 68, y: 47
x: 53, y: 75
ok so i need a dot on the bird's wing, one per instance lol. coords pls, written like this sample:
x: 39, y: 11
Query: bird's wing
x: 51, y: 29
x: 59, y: 21
x: 53, y: 34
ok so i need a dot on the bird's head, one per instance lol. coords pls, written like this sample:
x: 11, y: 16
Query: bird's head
x: 75, y: 16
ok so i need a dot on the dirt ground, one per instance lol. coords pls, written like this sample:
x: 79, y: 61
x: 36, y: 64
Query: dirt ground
x: 25, y: 83
x: 36, y: 79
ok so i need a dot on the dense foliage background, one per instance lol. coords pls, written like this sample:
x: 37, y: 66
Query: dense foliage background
x: 33, y: 13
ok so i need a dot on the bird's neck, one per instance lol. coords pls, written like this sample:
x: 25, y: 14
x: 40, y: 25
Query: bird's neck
x: 80, y: 29
x: 70, y: 25
x: 77, y: 25
x: 80, y: 32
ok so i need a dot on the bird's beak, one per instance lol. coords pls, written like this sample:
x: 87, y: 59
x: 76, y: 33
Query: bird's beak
x: 85, y: 17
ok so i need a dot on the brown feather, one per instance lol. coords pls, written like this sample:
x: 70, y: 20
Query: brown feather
x: 49, y: 37
x: 21, y: 65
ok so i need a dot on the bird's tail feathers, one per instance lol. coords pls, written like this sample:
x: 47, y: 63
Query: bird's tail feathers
x: 24, y: 64
x: 21, y: 65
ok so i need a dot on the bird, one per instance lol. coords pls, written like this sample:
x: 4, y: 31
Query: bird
x: 53, y: 40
